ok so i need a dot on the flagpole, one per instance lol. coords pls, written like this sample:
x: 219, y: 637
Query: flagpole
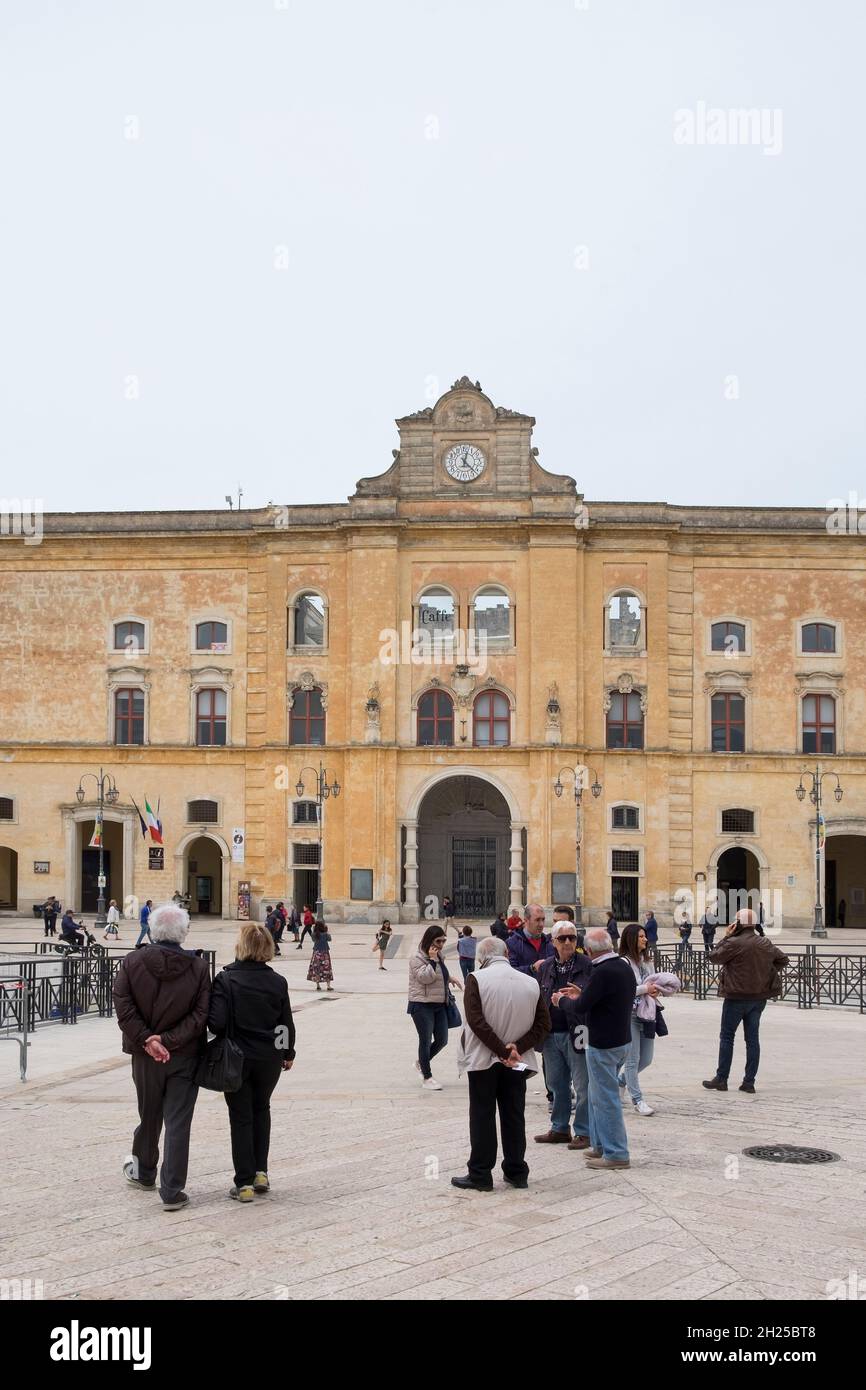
x: 104, y: 780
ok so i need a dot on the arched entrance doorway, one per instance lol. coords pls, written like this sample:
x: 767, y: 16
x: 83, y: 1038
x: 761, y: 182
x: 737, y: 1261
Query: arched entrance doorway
x: 738, y: 879
x: 204, y: 871
x: 464, y: 846
x: 8, y: 877
x: 88, y: 864
x: 845, y: 881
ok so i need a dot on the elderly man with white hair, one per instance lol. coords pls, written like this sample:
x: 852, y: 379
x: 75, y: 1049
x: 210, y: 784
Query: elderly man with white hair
x: 604, y: 1007
x: 161, y: 999
x: 506, y: 1019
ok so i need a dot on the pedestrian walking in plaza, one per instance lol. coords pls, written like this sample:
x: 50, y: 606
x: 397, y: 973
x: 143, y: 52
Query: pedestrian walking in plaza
x: 466, y: 951
x: 685, y: 930
x: 633, y: 947
x: 531, y: 946
x: 383, y: 936
x: 308, y: 921
x: 748, y: 978
x: 161, y: 1000
x: 144, y: 923
x: 321, y: 971
x: 499, y: 927
x: 49, y: 916
x: 284, y: 917
x: 564, y: 1053
x: 430, y: 986
x: 708, y: 932
x: 604, y: 1006
x: 112, y: 917
x: 651, y: 928
x: 506, y: 1019
x: 250, y: 1002
x: 611, y: 926
x: 515, y: 920
x: 294, y: 922
x: 448, y: 911
x: 274, y: 925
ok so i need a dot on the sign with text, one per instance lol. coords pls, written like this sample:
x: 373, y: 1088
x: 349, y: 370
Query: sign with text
x: 238, y: 840
x: 156, y: 857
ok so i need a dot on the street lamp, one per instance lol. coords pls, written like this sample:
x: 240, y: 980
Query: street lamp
x: 324, y: 789
x: 817, y: 779
x: 580, y: 775
x: 106, y: 792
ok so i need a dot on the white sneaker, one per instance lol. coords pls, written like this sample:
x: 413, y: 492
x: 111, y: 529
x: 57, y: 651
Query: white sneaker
x: 642, y: 1108
x: 430, y: 1084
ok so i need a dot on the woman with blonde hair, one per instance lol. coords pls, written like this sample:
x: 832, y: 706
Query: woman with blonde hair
x: 250, y: 1004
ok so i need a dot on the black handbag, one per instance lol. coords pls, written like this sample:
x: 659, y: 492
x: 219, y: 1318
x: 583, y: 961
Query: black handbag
x: 221, y: 1067
x: 452, y: 1013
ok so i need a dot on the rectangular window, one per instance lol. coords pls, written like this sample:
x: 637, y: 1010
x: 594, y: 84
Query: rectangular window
x: 305, y: 854
x: 728, y: 723
x: 625, y: 818
x: 305, y: 813
x: 625, y: 861
x: 738, y: 822
x: 210, y: 720
x: 129, y: 716
x: 625, y: 721
x: 623, y: 898
x: 819, y: 724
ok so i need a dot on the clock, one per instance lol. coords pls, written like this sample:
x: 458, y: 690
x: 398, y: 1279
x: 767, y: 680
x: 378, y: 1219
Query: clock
x: 465, y: 462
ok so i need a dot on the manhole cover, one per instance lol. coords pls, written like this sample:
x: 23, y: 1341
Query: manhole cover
x: 790, y: 1153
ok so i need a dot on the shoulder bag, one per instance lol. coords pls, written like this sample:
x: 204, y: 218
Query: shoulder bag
x: 222, y: 1064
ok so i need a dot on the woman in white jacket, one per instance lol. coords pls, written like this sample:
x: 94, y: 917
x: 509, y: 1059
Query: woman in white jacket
x: 633, y: 946
x: 111, y: 920
x: 429, y: 984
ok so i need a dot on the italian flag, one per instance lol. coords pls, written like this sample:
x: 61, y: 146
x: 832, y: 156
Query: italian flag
x: 96, y: 837
x: 155, y: 826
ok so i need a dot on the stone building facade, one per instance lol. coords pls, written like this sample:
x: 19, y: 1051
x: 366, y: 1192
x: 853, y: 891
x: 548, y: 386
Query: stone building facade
x: 692, y: 661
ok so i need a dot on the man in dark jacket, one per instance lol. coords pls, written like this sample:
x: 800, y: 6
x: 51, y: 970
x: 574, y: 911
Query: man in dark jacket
x: 499, y: 927
x: 604, y: 1006
x: 161, y: 999
x: 49, y: 917
x: 564, y: 1064
x: 750, y: 966
x: 530, y: 946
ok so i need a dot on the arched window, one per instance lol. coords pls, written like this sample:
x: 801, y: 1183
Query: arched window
x: 211, y: 636
x: 491, y: 611
x: 729, y: 637
x: 819, y: 724
x: 624, y: 618
x: 625, y: 721
x: 129, y: 716
x: 202, y: 812
x: 728, y: 720
x: 435, y: 719
x: 436, y: 611
x: 210, y: 717
x: 307, y: 718
x: 818, y: 637
x: 491, y: 721
x: 129, y: 637
x: 308, y: 621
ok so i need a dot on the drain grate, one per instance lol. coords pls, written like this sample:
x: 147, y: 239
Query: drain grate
x: 790, y: 1153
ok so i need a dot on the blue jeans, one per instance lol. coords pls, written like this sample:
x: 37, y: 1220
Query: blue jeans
x: 467, y: 965
x: 431, y: 1021
x: 145, y: 932
x: 734, y: 1012
x: 564, y: 1068
x: 606, y: 1125
x: 640, y: 1054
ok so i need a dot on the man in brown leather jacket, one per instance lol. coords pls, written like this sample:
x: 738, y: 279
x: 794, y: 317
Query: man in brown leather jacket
x: 750, y: 965
x: 161, y: 998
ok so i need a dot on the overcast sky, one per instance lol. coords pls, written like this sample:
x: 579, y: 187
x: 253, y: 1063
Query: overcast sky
x: 240, y: 236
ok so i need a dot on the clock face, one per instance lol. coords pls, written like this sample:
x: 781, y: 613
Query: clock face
x: 465, y: 462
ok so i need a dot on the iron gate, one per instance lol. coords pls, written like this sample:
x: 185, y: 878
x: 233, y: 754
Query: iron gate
x: 473, y: 876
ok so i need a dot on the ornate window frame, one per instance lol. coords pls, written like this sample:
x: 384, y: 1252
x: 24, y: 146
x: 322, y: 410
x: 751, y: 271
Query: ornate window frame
x: 128, y: 678
x: 625, y: 685
x: 306, y: 680
x: 428, y: 688
x: 728, y: 682
x: 307, y: 648
x: 209, y: 678
x: 640, y: 648
x: 821, y: 683
x: 492, y: 687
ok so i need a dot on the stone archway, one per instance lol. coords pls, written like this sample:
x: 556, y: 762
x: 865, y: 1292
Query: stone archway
x: 121, y: 825
x: 8, y: 877
x: 215, y: 864
x: 462, y: 839
x: 739, y: 879
x: 844, y: 893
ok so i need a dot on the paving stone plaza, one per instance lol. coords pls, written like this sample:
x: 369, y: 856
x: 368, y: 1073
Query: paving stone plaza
x: 361, y: 1205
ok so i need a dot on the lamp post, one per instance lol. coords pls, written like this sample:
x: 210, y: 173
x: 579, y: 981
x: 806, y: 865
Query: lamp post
x: 324, y: 789
x: 817, y: 777
x: 106, y: 792
x: 581, y: 777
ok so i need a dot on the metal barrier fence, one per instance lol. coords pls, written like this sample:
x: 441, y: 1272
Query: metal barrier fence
x: 15, y: 1017
x: 812, y: 978
x: 62, y: 988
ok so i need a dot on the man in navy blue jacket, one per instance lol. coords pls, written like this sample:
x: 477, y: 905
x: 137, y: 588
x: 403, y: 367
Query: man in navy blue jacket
x: 529, y: 947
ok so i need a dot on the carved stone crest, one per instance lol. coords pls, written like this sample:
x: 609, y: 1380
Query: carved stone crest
x: 553, y: 731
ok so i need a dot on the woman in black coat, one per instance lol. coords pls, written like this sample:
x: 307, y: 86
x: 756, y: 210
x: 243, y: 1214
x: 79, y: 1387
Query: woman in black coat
x: 250, y: 1002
